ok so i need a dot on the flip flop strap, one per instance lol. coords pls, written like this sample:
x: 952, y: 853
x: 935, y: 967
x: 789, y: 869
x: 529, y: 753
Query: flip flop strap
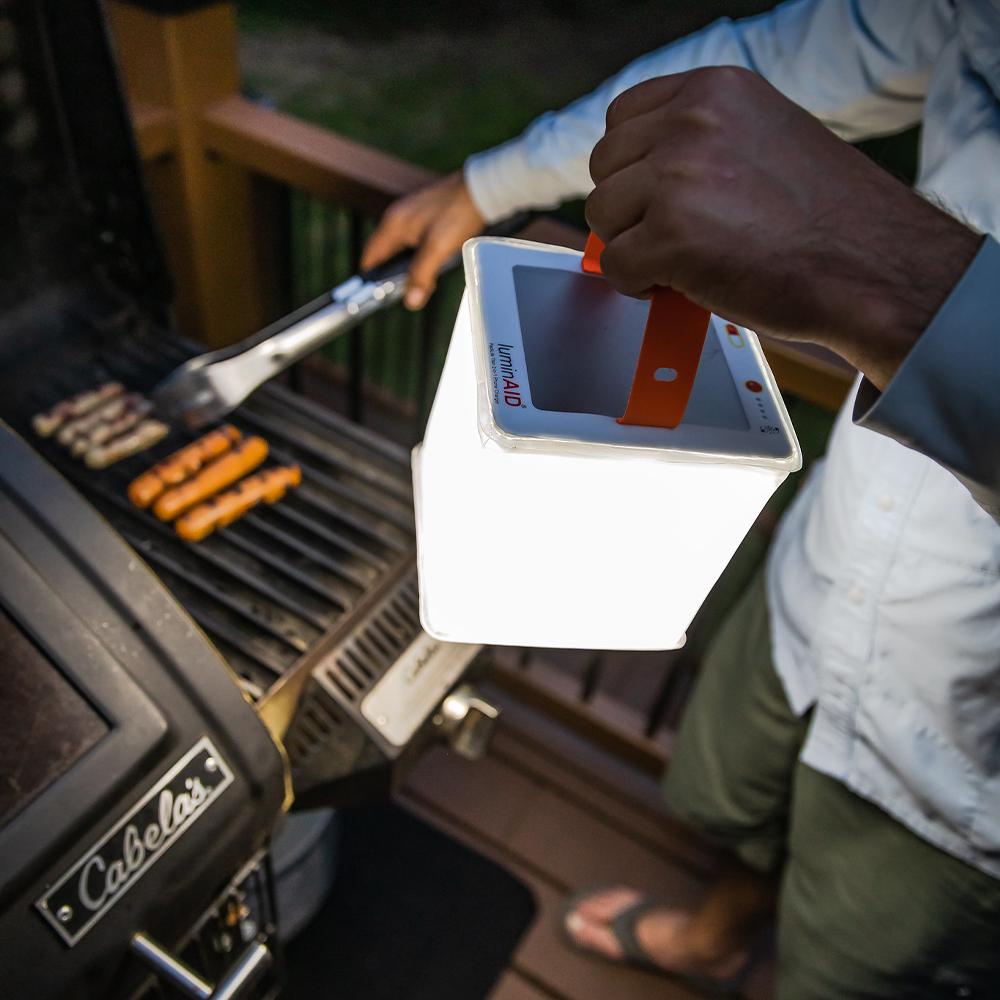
x: 623, y: 927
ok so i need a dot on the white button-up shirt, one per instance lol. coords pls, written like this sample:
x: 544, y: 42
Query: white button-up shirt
x: 884, y: 579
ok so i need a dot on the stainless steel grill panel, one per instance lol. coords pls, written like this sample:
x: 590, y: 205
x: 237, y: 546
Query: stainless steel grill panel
x: 351, y: 670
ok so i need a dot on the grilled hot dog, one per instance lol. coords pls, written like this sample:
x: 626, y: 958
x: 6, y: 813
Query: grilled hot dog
x: 217, y: 475
x: 267, y: 486
x: 76, y: 406
x: 145, y: 435
x: 105, y: 412
x: 181, y: 464
x: 107, y: 422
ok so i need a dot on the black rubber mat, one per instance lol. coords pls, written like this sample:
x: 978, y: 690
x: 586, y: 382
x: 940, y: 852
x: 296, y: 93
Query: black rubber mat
x: 413, y: 915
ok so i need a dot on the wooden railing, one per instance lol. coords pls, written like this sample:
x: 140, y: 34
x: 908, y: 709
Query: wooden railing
x: 228, y: 179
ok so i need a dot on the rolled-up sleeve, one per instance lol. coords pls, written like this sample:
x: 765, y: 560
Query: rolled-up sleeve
x: 860, y: 66
x: 944, y: 400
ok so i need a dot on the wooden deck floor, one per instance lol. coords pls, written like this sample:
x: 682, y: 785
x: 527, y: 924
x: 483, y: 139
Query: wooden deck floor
x: 561, y: 814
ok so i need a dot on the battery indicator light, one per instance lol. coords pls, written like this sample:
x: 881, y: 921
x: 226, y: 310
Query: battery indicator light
x: 733, y: 333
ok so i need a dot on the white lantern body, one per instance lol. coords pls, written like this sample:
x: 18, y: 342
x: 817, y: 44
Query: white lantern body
x: 560, y: 527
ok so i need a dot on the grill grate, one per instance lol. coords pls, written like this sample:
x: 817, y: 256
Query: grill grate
x: 271, y: 588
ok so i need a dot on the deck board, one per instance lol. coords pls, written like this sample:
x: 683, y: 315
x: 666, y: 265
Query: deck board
x: 513, y: 986
x: 543, y: 955
x: 624, y: 797
x: 559, y: 818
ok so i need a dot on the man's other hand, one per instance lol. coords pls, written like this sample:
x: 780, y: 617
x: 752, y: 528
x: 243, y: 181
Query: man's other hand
x: 714, y: 183
x: 436, y: 220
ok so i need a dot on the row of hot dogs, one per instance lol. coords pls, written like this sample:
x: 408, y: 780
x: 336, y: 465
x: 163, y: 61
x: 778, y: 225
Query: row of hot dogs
x: 203, y: 486
x: 187, y: 488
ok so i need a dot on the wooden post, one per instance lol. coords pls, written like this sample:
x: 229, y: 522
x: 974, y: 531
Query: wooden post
x: 204, y: 205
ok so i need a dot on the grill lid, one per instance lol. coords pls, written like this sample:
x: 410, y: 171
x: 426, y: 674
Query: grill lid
x: 74, y: 224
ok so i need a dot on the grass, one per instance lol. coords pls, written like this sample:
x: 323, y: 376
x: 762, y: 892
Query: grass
x: 436, y: 81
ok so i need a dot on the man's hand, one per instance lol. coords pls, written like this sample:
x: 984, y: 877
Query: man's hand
x: 437, y: 220
x: 713, y: 183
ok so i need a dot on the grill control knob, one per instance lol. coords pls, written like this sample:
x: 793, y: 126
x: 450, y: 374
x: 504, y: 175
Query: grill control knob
x: 466, y: 719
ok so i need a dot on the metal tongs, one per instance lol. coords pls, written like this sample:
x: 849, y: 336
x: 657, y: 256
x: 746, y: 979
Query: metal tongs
x: 206, y: 388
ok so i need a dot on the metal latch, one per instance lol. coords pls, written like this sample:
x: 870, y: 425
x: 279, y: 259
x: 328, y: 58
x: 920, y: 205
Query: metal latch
x: 467, y: 719
x: 254, y: 961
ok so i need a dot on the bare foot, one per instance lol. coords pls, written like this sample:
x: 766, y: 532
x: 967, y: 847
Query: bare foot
x: 667, y: 935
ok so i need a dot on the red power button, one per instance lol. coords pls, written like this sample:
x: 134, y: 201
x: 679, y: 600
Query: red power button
x: 753, y: 386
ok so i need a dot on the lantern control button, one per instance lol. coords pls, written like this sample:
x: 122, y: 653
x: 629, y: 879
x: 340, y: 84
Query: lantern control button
x: 753, y: 385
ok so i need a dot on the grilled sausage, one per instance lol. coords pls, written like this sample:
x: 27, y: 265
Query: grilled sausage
x: 76, y: 406
x: 268, y: 486
x: 217, y: 475
x: 181, y: 464
x: 104, y: 412
x: 103, y: 433
x: 113, y: 418
x: 144, y: 436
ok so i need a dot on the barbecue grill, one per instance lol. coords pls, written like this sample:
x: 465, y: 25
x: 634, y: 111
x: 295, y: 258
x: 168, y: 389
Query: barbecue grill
x: 280, y: 658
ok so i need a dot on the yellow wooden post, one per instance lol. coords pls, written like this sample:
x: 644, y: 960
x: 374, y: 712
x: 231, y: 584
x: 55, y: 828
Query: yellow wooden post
x: 204, y: 205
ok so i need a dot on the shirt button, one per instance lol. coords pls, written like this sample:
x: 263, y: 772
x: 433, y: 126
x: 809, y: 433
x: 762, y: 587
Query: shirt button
x: 885, y: 502
x: 856, y: 594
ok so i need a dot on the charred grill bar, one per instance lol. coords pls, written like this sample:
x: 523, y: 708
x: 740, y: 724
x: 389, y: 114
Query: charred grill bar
x: 161, y: 700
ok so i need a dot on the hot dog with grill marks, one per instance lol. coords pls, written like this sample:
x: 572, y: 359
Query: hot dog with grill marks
x: 104, y: 433
x: 145, y: 435
x: 217, y: 512
x: 76, y: 406
x: 222, y: 472
x: 184, y: 462
x: 80, y: 427
x: 120, y: 415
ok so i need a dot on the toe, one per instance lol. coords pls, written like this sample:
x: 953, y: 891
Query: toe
x: 605, y: 904
x: 594, y: 937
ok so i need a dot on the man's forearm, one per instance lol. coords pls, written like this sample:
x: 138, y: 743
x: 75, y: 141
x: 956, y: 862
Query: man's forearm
x: 857, y: 65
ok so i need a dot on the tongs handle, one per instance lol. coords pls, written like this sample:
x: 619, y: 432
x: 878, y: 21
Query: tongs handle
x: 393, y: 270
x: 209, y: 386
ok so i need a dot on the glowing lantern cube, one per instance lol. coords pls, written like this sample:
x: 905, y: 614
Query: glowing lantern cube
x: 543, y: 521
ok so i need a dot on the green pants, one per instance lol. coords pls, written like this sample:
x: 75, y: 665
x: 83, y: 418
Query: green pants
x: 866, y: 908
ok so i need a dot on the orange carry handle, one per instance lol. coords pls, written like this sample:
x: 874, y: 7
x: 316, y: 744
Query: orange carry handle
x: 668, y: 359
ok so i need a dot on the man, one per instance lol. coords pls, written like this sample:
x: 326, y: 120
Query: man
x: 844, y: 739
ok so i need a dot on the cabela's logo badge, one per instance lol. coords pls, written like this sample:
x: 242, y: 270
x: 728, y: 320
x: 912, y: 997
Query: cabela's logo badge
x: 112, y: 866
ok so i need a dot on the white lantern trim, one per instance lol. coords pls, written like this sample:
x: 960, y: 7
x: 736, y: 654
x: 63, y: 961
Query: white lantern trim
x: 530, y: 308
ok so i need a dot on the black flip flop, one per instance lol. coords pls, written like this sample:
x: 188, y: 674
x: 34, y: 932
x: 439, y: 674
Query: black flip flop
x: 623, y: 928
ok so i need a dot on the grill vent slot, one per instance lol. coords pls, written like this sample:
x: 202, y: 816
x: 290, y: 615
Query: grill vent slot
x: 353, y: 668
x: 319, y: 723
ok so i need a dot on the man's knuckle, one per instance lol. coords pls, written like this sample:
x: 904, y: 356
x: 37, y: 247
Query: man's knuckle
x: 725, y: 77
x: 598, y: 159
x: 613, y: 113
x: 395, y: 218
x: 594, y: 205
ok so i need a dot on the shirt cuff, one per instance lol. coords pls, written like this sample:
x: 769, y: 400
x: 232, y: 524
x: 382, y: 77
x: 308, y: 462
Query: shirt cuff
x: 944, y: 399
x: 498, y: 180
